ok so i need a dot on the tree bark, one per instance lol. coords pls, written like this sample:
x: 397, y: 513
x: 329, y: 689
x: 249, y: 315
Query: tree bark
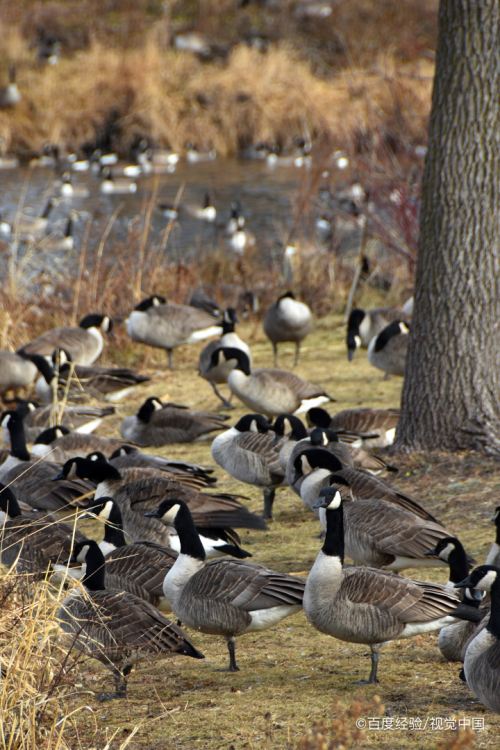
x: 451, y: 388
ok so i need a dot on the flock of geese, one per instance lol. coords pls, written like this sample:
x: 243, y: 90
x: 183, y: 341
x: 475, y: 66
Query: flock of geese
x: 170, y: 541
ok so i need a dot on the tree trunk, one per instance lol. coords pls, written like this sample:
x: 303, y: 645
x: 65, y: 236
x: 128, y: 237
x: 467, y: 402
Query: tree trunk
x: 452, y: 386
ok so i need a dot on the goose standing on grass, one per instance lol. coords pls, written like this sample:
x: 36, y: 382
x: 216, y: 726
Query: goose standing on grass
x: 366, y: 605
x: 35, y: 542
x: 161, y: 424
x: 250, y: 453
x: 165, y: 325
x: 482, y: 656
x: 364, y: 325
x: 493, y: 557
x: 16, y: 372
x: 375, y: 427
x: 269, y: 391
x: 287, y: 320
x: 218, y: 374
x: 453, y: 638
x: 387, y: 351
x: 116, y: 627
x: 225, y: 597
x: 84, y: 343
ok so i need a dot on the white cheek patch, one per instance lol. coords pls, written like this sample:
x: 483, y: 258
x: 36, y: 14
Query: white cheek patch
x: 83, y: 553
x: 446, y: 551
x: 170, y: 514
x: 487, y: 581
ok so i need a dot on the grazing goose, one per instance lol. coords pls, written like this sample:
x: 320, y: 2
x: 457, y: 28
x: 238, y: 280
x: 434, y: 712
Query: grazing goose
x: 218, y: 374
x: 482, y: 656
x: 250, y: 453
x: 225, y: 597
x: 493, y: 557
x: 111, y: 185
x: 82, y: 419
x: 165, y: 325
x: 366, y: 605
x: 32, y: 479
x: 15, y: 372
x: 382, y: 535
x: 84, y: 343
x: 387, y: 350
x: 287, y: 320
x: 137, y: 490
x: 116, y: 627
x: 364, y: 325
x: 139, y: 567
x: 376, y: 427
x: 453, y: 638
x: 161, y: 424
x: 267, y: 391
x: 33, y: 543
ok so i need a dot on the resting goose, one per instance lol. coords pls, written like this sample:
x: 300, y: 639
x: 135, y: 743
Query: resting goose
x: 268, y: 391
x: 165, y: 325
x: 387, y: 350
x: 218, y: 374
x: 137, y: 490
x: 366, y: 605
x: 116, y: 627
x: 250, y: 453
x: 482, y: 656
x: 224, y: 597
x: 364, y: 325
x: 453, y: 638
x: 82, y: 419
x: 161, y: 424
x: 129, y: 457
x: 287, y: 320
x: 32, y: 479
x: 84, y: 343
x: 33, y: 543
x: 376, y: 427
x: 138, y: 567
x: 60, y: 444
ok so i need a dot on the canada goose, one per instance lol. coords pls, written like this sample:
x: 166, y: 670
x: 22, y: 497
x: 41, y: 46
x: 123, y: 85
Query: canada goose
x: 290, y: 427
x: 84, y: 343
x: 137, y: 490
x: 308, y: 470
x: 31, y: 227
x: 32, y: 479
x: 493, y: 557
x: 15, y: 372
x: 81, y: 419
x: 128, y: 456
x: 287, y: 320
x: 206, y: 212
x: 225, y: 597
x: 366, y: 605
x: 165, y: 325
x: 482, y: 656
x: 53, y: 243
x: 241, y: 239
x: 138, y: 567
x: 364, y: 325
x: 236, y: 218
x: 111, y: 185
x: 69, y: 190
x: 376, y: 427
x: 33, y: 542
x: 194, y: 155
x: 60, y: 444
x: 349, y: 450
x: 387, y: 351
x: 269, y: 391
x: 10, y: 94
x: 453, y: 638
x: 161, y: 424
x: 112, y: 383
x: 249, y: 452
x: 229, y: 339
x: 116, y: 627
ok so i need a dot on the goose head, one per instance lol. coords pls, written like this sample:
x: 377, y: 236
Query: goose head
x: 482, y: 578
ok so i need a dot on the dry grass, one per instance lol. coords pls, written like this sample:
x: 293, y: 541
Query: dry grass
x: 294, y: 682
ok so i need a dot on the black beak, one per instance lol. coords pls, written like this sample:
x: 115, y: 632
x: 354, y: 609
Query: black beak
x: 464, y: 584
x: 152, y: 514
x: 58, y: 476
x: 430, y: 553
x: 319, y: 504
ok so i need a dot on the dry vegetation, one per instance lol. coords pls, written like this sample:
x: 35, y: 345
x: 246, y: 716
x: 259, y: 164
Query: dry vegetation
x: 295, y: 688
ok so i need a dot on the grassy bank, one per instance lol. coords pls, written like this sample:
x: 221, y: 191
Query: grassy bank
x: 291, y: 676
x: 117, y: 82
